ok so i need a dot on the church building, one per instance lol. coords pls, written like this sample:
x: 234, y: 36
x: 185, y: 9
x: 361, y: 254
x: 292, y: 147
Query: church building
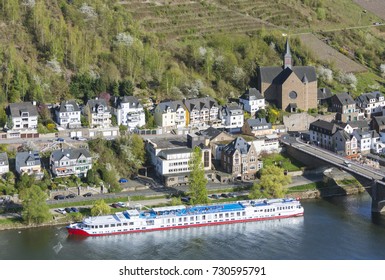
x: 290, y: 88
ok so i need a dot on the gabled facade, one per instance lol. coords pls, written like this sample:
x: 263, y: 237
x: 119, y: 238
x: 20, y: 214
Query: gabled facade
x: 257, y: 127
x: 364, y: 140
x: 289, y: 87
x: 252, y: 101
x: 4, y: 163
x: 371, y: 103
x: 240, y: 159
x: 29, y: 163
x: 232, y: 117
x: 170, y: 115
x: 378, y: 123
x: 98, y: 113
x: 321, y: 133
x: 67, y: 162
x: 202, y: 112
x: 217, y: 140
x: 68, y: 114
x: 24, y: 116
x: 345, y: 107
x: 345, y: 144
x: 129, y: 112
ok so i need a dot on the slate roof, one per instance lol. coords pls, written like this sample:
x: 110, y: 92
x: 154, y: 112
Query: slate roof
x: 258, y: 123
x: 232, y: 109
x: 251, y: 94
x: 93, y: 104
x: 200, y: 103
x: 239, y: 144
x: 324, y: 93
x: 380, y: 120
x: 57, y: 155
x: 366, y: 97
x: 65, y: 108
x: 174, y: 105
x: 324, y: 127
x: 210, y: 132
x: 17, y: 108
x: 23, y: 157
x: 4, y: 158
x: 343, y: 99
x: 343, y: 134
x: 277, y: 75
x: 133, y: 102
x: 164, y: 153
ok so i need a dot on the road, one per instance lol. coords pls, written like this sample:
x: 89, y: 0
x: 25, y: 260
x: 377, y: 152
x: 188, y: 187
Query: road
x: 334, y: 159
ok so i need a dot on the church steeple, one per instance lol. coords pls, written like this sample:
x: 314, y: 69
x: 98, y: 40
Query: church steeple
x: 287, y: 59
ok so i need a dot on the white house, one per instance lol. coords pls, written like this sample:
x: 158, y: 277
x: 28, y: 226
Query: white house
x: 4, y: 163
x: 232, y: 117
x: 68, y: 114
x: 364, y: 140
x: 170, y: 115
x: 266, y: 144
x: 252, y: 101
x: 98, y: 113
x: 371, y: 103
x: 23, y: 115
x: 202, y: 112
x: 129, y: 112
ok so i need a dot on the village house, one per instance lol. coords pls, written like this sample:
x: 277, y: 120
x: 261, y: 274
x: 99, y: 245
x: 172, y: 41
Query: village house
x: 252, y: 101
x: 170, y: 115
x: 98, y: 113
x: 232, y: 117
x: 216, y: 139
x: 129, y: 112
x: 68, y: 114
x: 257, y: 127
x: 371, y: 103
x: 323, y: 96
x: 29, y: 163
x: 345, y: 144
x: 4, y: 163
x: 170, y: 158
x: 202, y: 112
x: 23, y: 116
x: 67, y: 162
x: 378, y: 123
x: 321, y: 133
x: 240, y: 159
x: 364, y: 140
x: 290, y: 88
x: 345, y: 107
x: 266, y: 144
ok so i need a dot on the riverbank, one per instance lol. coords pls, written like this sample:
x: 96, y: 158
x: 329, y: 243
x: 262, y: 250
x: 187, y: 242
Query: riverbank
x: 314, y: 190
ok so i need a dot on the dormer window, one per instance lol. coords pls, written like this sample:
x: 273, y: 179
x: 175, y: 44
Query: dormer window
x: 24, y: 114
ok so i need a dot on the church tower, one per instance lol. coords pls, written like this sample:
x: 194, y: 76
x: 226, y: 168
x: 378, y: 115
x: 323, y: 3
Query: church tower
x: 287, y: 59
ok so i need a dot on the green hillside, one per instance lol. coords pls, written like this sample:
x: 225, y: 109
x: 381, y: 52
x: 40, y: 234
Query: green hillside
x: 55, y: 50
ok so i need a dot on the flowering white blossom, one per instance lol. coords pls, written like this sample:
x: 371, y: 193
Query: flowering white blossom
x: 124, y: 39
x: 88, y: 11
x: 29, y: 3
x: 325, y: 73
x: 348, y: 78
x: 382, y: 69
x: 202, y: 51
x: 238, y: 74
x: 54, y: 65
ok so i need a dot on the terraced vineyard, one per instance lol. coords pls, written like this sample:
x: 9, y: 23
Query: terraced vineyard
x: 185, y: 18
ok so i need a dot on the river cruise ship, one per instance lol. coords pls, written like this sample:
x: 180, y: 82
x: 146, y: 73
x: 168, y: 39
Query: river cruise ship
x: 173, y: 217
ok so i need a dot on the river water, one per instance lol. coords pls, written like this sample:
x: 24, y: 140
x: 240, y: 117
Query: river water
x: 337, y: 228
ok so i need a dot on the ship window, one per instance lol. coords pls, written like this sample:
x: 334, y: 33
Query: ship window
x: 220, y: 215
x: 92, y: 226
x: 185, y: 219
x: 131, y: 223
x: 204, y: 217
x: 118, y: 225
x: 191, y: 218
x: 125, y: 224
x: 227, y: 215
x: 173, y: 220
x: 180, y: 219
x: 215, y: 216
x: 168, y: 221
x: 243, y: 213
x: 112, y: 225
x: 232, y: 214
x: 106, y: 226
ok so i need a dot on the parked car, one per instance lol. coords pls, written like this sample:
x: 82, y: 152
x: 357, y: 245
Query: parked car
x: 71, y: 195
x: 68, y: 210
x: 224, y: 195
x: 232, y: 194
x: 215, y: 196
x: 61, y: 211
x: 123, y: 180
x: 87, y: 194
x: 74, y: 209
x: 60, y: 139
x: 185, y: 199
x: 59, y: 197
x: 121, y: 204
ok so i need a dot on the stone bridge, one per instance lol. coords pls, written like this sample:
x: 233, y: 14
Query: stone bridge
x: 313, y: 156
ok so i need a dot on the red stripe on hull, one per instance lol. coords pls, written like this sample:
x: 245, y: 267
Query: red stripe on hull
x: 84, y: 233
